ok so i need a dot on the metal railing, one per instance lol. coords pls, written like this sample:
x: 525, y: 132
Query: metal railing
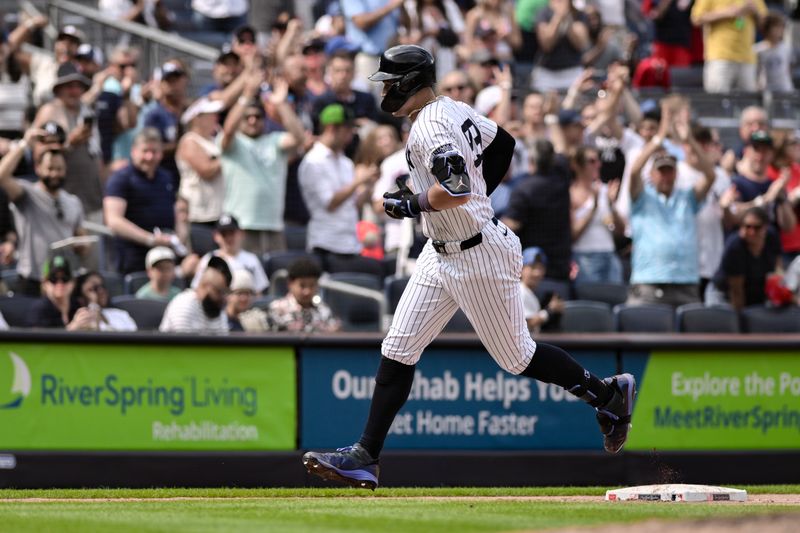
x: 156, y: 45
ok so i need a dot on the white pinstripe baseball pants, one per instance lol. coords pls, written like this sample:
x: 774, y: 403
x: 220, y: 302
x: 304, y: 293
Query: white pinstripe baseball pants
x: 484, y: 281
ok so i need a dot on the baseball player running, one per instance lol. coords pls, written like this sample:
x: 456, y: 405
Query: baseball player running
x: 471, y: 261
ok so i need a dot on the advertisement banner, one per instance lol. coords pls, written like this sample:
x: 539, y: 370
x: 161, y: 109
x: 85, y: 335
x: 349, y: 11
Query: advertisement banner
x: 716, y: 401
x: 146, y: 397
x: 460, y: 399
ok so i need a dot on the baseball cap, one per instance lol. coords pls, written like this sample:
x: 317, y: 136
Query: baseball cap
x: 340, y: 43
x: 202, y: 106
x: 242, y: 281
x: 67, y: 73
x: 158, y: 254
x: 226, y: 223
x: 335, y: 114
x: 53, y: 128
x: 488, y: 99
x: 71, y: 32
x: 760, y: 137
x: 227, y: 52
x: 89, y: 53
x: 568, y: 117
x: 58, y: 264
x: 533, y: 254
x: 665, y: 160
x: 314, y: 46
x: 171, y: 69
x: 220, y: 265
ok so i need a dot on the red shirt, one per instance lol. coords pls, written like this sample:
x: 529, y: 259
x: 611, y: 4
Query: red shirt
x: 789, y: 240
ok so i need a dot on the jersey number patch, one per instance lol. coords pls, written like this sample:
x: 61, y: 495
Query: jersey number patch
x: 473, y: 135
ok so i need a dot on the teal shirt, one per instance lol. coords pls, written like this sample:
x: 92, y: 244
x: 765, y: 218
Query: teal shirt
x: 664, y: 237
x: 146, y: 292
x: 255, y: 181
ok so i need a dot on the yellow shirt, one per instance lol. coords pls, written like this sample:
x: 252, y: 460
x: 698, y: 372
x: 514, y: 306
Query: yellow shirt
x: 728, y: 39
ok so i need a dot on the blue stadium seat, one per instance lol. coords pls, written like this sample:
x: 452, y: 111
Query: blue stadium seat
x: 699, y: 318
x: 645, y: 318
x: 583, y: 316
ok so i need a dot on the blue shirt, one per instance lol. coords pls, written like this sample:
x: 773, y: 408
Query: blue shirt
x: 748, y: 189
x: 151, y: 204
x: 665, y: 237
x: 376, y: 39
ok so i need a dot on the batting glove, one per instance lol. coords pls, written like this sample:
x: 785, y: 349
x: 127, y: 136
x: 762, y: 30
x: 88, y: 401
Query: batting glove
x: 402, y: 203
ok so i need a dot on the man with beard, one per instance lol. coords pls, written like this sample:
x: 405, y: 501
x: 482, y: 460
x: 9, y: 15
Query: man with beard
x: 200, y: 309
x: 43, y: 212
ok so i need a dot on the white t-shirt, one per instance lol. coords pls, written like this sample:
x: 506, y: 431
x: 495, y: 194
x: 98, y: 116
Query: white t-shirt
x: 185, y: 314
x: 117, y: 320
x: 220, y: 9
x: 774, y: 66
x: 710, y: 236
x: 244, y: 260
x: 530, y: 303
x: 392, y: 168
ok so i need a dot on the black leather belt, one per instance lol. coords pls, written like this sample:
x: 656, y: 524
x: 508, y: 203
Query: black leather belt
x: 475, y: 240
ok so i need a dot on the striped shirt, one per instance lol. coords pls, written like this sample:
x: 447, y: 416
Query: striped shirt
x: 445, y: 122
x: 185, y: 314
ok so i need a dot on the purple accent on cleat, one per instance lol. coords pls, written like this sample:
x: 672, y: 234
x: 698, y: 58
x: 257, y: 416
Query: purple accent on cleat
x: 615, y: 417
x: 351, y: 465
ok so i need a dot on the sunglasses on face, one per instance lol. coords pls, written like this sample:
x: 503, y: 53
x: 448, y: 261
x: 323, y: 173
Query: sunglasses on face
x: 59, y: 279
x: 126, y: 65
x: 754, y: 227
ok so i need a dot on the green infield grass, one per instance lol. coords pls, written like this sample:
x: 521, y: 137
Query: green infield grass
x: 348, y: 510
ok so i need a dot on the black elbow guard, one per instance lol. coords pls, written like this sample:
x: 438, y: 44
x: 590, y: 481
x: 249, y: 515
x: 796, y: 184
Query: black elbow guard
x: 497, y: 158
x: 450, y: 170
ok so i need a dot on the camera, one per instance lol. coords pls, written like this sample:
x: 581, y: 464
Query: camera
x: 88, y: 117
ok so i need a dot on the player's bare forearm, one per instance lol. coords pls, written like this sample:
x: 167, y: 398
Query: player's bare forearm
x: 440, y: 199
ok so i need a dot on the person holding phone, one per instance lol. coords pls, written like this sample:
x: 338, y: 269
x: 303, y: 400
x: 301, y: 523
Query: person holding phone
x: 82, y: 153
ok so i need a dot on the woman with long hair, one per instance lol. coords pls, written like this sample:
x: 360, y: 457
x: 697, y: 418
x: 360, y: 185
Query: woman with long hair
x: 594, y: 219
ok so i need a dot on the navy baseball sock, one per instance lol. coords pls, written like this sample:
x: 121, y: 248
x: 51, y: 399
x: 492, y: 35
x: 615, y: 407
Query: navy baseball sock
x: 392, y: 386
x: 551, y: 364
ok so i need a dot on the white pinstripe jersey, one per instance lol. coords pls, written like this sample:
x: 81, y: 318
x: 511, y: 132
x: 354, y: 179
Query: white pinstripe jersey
x: 447, y: 122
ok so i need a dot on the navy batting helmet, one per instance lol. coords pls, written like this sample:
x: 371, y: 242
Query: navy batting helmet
x: 410, y: 67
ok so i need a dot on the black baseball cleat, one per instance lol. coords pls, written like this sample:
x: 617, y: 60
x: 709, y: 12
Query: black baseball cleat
x: 615, y: 417
x: 352, y: 465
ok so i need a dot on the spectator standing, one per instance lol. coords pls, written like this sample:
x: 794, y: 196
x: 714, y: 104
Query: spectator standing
x: 539, y: 211
x: 750, y: 256
x: 165, y: 112
x: 90, y: 296
x: 302, y: 310
x: 82, y: 149
x: 123, y: 82
x: 200, y: 310
x: 229, y: 238
x: 595, y: 220
x: 754, y: 188
x: 255, y: 164
x: 672, y: 24
x: 332, y: 189
x: 139, y: 205
x: 774, y: 56
x: 729, y: 30
x: 563, y: 38
x: 534, y: 270
x: 43, y: 212
x: 370, y: 25
x: 199, y: 162
x: 222, y: 16
x: 491, y: 25
x: 663, y: 220
x: 160, y: 265
x: 436, y: 25
x: 340, y: 73
x: 42, y: 68
x: 153, y: 13
x: 712, y: 217
x: 787, y: 162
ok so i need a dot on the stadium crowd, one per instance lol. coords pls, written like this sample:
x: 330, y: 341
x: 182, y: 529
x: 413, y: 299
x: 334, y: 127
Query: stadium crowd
x: 615, y: 178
